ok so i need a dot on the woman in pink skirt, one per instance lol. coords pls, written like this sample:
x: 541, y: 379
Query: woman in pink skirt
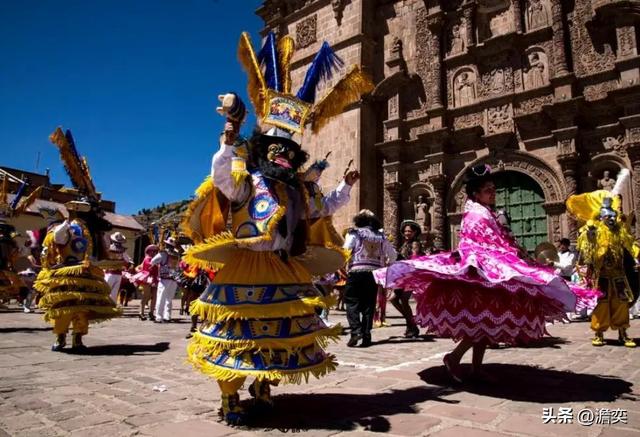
x: 147, y: 278
x: 488, y: 291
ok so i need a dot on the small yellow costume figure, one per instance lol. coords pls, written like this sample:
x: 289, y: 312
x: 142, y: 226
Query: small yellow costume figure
x: 74, y: 291
x: 601, y: 244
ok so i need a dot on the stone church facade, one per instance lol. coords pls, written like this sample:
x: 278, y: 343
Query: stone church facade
x: 548, y: 91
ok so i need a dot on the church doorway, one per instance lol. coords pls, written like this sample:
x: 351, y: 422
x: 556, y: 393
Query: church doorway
x: 522, y: 198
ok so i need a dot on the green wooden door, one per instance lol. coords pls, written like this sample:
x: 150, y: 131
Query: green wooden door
x: 522, y: 198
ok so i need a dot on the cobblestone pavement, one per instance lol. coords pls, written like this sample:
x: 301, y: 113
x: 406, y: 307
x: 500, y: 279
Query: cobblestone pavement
x: 397, y: 386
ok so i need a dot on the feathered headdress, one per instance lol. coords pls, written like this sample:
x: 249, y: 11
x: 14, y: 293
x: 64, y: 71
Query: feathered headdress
x: 587, y: 206
x: 269, y: 84
x: 75, y: 165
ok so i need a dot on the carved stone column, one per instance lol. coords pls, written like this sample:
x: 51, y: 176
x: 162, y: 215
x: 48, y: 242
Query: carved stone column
x: 569, y: 164
x: 559, y: 55
x: 568, y: 160
x: 392, y: 208
x: 517, y: 15
x: 434, y: 22
x: 438, y: 226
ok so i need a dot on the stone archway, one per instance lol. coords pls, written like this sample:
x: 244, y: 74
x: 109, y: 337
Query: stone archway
x: 545, y: 176
x: 552, y: 186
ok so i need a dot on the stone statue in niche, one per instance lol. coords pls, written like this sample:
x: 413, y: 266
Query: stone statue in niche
x: 607, y: 182
x: 536, y: 74
x: 537, y: 15
x: 422, y: 216
x: 457, y: 39
x: 464, y: 89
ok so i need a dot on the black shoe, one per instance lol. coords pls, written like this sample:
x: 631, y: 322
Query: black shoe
x: 152, y: 317
x: 142, y: 317
x: 412, y: 332
x: 353, y: 341
x: 61, y: 342
x: 189, y: 335
x: 366, y: 342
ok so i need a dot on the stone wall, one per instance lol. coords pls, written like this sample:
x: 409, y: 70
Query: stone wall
x: 549, y: 88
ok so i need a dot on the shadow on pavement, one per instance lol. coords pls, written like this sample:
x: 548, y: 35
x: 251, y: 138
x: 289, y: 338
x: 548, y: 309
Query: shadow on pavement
x: 544, y: 342
x: 534, y: 384
x: 24, y: 329
x: 402, y: 339
x: 126, y: 349
x: 340, y: 411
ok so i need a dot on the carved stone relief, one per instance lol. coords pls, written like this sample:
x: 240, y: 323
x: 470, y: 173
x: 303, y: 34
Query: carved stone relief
x: 468, y: 121
x: 626, y: 41
x: 614, y: 144
x: 536, y: 70
x: 599, y: 90
x: 306, y: 31
x: 464, y: 87
x: 537, y: 14
x: 592, y: 52
x: 533, y: 105
x: 499, y: 119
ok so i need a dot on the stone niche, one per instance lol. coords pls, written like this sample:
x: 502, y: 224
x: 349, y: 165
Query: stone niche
x: 464, y: 87
x: 494, y: 18
x: 536, y: 69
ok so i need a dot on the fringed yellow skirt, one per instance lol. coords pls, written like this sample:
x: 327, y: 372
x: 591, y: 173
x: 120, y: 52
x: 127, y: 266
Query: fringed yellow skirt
x: 259, y: 319
x: 74, y: 289
x: 10, y: 285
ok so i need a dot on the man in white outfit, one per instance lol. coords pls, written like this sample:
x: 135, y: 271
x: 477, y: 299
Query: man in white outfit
x: 167, y: 262
x: 565, y: 268
x: 117, y: 252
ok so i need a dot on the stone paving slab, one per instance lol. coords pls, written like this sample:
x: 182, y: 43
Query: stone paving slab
x: 397, y: 387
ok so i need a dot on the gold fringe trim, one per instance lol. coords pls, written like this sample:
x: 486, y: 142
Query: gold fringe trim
x: 286, y: 376
x: 286, y: 47
x: 47, y: 285
x: 51, y: 299
x: 196, y: 255
x: 96, y: 313
x: 208, y: 345
x: 220, y: 313
x: 256, y: 87
x: 348, y: 90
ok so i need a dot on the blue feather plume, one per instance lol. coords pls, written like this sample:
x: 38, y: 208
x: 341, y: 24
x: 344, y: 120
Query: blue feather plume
x: 268, y: 57
x: 19, y: 194
x: 322, y: 68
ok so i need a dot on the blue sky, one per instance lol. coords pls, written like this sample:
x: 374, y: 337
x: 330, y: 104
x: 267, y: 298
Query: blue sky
x: 136, y: 81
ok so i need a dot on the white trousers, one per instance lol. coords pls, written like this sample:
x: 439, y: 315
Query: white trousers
x: 166, y: 291
x: 114, y: 282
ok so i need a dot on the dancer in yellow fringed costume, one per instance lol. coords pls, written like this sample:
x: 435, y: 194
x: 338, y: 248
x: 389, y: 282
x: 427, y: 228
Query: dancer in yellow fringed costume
x: 258, y: 314
x: 74, y: 292
x: 601, y: 244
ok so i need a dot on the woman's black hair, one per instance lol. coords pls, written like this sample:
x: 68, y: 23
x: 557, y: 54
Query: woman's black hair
x: 366, y: 220
x: 475, y: 178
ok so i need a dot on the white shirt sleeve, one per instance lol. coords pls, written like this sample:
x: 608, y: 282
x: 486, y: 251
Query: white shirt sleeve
x: 160, y: 258
x: 349, y: 241
x: 221, y: 173
x: 331, y: 202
